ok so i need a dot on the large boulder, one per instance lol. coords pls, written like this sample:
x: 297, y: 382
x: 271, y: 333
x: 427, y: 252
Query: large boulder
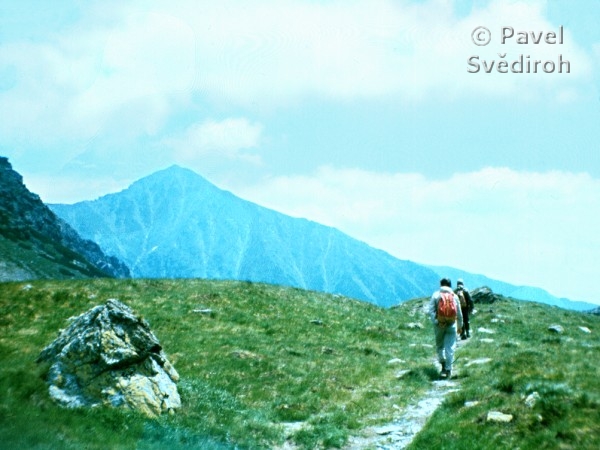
x: 109, y: 356
x: 484, y: 295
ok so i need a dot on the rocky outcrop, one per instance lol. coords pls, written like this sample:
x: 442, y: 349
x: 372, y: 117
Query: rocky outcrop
x: 109, y: 356
x: 484, y: 295
x: 26, y: 221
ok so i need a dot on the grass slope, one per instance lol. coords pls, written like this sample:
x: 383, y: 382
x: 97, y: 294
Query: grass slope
x: 269, y: 356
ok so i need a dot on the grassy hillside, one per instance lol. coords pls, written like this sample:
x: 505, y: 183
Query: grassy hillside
x: 270, y: 364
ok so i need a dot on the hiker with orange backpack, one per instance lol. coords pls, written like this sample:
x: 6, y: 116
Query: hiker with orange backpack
x: 444, y: 311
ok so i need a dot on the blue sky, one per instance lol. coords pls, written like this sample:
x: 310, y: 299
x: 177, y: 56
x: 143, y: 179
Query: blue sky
x: 357, y: 114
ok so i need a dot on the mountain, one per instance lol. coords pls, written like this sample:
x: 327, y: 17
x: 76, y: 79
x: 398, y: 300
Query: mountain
x: 175, y: 224
x: 526, y: 293
x: 35, y: 243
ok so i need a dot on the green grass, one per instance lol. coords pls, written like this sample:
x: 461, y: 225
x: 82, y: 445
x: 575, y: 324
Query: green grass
x: 526, y: 357
x: 268, y: 356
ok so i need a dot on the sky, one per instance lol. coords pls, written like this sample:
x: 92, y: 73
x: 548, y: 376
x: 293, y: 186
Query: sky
x: 395, y: 121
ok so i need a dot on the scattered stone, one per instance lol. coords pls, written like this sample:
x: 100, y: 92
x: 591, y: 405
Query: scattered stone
x: 317, y: 322
x: 291, y: 428
x: 486, y: 340
x: 27, y: 287
x: 485, y: 330
x: 556, y: 329
x: 109, y: 356
x: 421, y: 345
x: 496, y: 320
x: 395, y: 361
x: 388, y: 429
x: 327, y: 350
x: 415, y: 326
x: 478, y: 361
x: 471, y: 404
x: 400, y: 374
x: 497, y: 416
x: 585, y: 330
x: 245, y: 354
x: 206, y: 312
x: 532, y: 399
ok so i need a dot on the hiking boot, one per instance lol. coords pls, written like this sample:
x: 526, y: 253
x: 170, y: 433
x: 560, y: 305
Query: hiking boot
x: 443, y: 372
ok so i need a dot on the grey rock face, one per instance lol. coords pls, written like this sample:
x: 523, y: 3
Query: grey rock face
x: 484, y: 295
x: 26, y: 220
x: 109, y: 356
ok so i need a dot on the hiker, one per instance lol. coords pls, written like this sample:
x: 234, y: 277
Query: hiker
x: 466, y: 307
x: 444, y: 311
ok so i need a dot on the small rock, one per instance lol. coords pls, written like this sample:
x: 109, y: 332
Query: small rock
x: 415, y: 326
x: 389, y: 429
x: 485, y: 330
x: 402, y: 373
x: 317, y: 322
x: 486, y: 340
x: 478, y: 361
x: 471, y: 404
x: 396, y: 361
x: 532, y: 399
x: 245, y: 354
x: 27, y: 287
x: 585, y: 330
x: 206, y: 312
x: 497, y: 416
x: 556, y: 329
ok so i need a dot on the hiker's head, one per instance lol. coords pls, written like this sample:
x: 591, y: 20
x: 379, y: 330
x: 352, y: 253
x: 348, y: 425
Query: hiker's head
x: 460, y: 283
x: 445, y: 282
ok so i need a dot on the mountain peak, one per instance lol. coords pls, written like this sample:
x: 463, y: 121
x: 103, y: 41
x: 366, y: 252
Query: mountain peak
x: 178, y: 177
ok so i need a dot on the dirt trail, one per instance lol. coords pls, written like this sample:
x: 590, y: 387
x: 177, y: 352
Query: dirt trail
x: 398, y: 434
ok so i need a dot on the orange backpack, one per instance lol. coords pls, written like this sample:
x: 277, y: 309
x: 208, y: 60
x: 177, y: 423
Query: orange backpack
x: 446, y: 311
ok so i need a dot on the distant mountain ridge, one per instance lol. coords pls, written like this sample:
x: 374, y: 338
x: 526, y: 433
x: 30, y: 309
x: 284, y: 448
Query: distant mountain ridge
x: 35, y: 243
x: 526, y: 293
x: 175, y: 224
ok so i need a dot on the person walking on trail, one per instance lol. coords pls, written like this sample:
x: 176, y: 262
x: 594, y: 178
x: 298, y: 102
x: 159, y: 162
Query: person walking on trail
x: 466, y: 307
x: 444, y: 311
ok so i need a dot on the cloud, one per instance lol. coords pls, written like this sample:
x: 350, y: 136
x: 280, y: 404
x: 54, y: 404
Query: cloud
x: 129, y: 68
x: 521, y: 227
x: 228, y: 139
x: 274, y: 52
x: 124, y: 75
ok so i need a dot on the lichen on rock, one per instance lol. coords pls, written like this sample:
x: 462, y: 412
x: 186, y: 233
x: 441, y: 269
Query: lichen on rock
x: 109, y: 356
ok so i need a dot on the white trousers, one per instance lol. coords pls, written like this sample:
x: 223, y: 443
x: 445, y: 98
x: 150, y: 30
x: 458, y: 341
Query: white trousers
x: 445, y: 343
